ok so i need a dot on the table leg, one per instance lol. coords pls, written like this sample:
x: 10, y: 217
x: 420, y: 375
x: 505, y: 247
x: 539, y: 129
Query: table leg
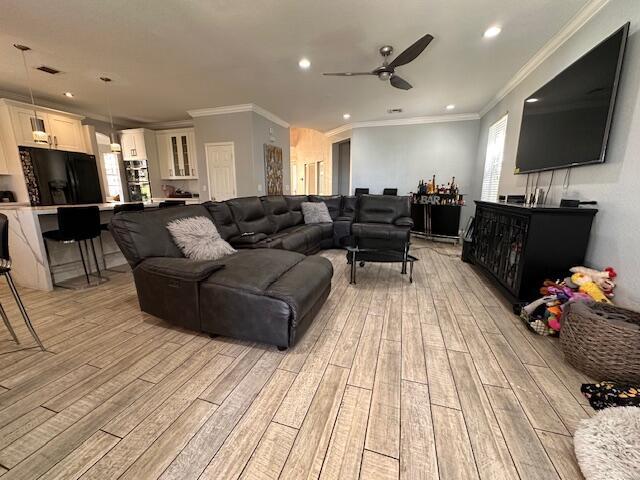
x: 353, y: 268
x: 411, y: 272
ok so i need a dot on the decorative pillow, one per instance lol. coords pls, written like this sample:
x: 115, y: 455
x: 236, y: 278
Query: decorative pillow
x: 198, y: 238
x: 315, y: 212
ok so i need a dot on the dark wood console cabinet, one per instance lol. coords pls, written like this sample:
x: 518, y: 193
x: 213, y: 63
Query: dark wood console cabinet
x: 518, y: 247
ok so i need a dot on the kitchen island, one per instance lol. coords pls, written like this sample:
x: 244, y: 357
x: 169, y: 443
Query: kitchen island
x: 30, y: 267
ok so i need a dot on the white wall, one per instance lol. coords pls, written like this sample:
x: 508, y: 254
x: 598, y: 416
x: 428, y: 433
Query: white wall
x: 400, y: 156
x: 614, y: 185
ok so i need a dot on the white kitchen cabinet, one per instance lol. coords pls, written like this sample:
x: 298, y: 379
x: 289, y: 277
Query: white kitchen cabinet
x: 177, y: 154
x: 133, y: 144
x: 64, y: 131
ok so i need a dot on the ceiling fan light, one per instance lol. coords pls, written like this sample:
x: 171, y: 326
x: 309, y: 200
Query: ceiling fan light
x: 384, y: 76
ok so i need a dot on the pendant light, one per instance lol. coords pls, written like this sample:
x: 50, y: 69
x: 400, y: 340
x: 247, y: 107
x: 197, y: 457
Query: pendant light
x: 115, y: 146
x: 38, y: 131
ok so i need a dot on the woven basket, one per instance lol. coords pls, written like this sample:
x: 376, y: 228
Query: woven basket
x: 602, y: 341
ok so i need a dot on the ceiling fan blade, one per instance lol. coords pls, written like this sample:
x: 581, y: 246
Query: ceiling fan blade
x: 400, y: 83
x: 411, y: 53
x: 347, y: 74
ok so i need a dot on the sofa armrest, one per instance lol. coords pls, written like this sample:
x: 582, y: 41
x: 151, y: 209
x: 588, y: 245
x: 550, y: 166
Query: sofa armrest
x: 181, y: 268
x: 241, y: 241
x: 403, y: 222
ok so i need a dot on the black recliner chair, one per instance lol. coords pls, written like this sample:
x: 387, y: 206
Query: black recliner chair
x: 384, y: 222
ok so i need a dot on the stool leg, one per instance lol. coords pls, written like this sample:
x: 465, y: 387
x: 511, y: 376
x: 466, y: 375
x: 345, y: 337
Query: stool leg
x: 95, y: 258
x: 104, y: 259
x: 23, y: 310
x: 5, y: 319
x: 46, y: 249
x: 84, y: 265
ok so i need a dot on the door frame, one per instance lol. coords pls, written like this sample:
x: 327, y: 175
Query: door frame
x: 206, y: 159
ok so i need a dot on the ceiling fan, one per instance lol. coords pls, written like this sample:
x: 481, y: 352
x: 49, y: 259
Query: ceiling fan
x: 387, y: 71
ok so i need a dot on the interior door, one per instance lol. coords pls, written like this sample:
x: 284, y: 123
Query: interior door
x: 66, y: 133
x: 221, y: 170
x: 311, y: 186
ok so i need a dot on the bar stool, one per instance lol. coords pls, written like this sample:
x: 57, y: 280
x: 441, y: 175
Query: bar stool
x: 77, y: 225
x: 390, y: 191
x: 5, y: 270
x: 104, y: 227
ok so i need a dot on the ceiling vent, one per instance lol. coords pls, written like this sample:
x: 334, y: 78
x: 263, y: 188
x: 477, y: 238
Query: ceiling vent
x: 394, y: 110
x: 51, y: 70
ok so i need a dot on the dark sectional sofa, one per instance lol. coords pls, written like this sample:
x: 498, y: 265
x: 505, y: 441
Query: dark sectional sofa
x: 271, y: 289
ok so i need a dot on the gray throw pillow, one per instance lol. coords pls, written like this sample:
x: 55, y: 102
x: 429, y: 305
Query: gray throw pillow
x: 198, y: 238
x: 315, y: 212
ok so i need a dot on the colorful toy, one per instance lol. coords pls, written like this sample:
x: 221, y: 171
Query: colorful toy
x: 603, y: 279
x: 587, y: 285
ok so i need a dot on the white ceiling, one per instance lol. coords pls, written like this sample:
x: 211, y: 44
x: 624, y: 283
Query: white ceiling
x: 170, y: 56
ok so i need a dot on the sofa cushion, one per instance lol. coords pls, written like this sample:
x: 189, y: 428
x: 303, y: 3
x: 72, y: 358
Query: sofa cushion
x: 382, y: 208
x: 144, y: 234
x: 223, y: 219
x: 277, y: 212
x: 198, y: 238
x: 295, y: 207
x: 380, y: 231
x: 349, y: 207
x: 315, y: 212
x: 333, y: 202
x: 250, y: 216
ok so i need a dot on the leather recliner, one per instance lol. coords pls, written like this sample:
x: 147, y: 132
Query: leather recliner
x: 383, y: 222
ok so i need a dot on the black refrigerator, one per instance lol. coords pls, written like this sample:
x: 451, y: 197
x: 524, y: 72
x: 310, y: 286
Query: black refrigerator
x: 62, y: 178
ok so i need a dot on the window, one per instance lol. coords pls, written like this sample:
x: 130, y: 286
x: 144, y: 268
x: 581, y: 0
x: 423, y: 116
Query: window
x: 114, y: 186
x: 493, y: 162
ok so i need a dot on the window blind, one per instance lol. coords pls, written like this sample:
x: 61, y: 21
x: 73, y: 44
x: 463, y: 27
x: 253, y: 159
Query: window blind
x: 493, y: 161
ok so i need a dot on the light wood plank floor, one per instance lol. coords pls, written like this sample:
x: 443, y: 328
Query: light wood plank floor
x: 435, y: 379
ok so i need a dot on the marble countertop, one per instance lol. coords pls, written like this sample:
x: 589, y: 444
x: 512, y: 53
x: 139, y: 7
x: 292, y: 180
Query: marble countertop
x: 53, y: 209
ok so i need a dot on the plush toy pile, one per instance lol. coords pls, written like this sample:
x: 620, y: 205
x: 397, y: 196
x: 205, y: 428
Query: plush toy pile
x: 544, y: 315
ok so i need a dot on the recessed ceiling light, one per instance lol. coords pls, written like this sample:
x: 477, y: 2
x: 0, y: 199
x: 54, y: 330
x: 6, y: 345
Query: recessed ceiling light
x: 346, y: 116
x: 68, y: 94
x: 532, y: 100
x: 304, y: 63
x: 450, y: 107
x: 492, y: 32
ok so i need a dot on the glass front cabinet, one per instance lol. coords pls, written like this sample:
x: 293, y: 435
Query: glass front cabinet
x: 177, y: 154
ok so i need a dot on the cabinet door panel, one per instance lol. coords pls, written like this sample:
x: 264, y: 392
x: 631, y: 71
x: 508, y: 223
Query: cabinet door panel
x: 193, y: 158
x: 21, y: 119
x: 66, y: 133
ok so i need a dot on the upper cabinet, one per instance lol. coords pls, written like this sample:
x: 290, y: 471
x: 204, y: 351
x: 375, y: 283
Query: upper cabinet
x: 177, y: 154
x: 133, y: 144
x: 64, y: 131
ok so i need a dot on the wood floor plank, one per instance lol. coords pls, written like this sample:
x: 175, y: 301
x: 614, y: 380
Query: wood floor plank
x: 413, y: 365
x: 534, y: 402
x: 297, y: 402
x: 173, y: 361
x: 199, y: 451
x: 455, y: 456
x: 451, y: 333
x: 489, y: 447
x: 442, y: 388
x: 347, y: 344
x: 518, y: 339
x: 70, y: 439
x: 527, y: 452
x: 486, y: 364
x: 344, y: 455
x: 157, y: 457
x: 417, y: 441
x: 271, y: 453
x: 378, y: 467
x: 383, y: 430
x: 22, y: 425
x: 310, y: 446
x: 392, y: 325
x: 569, y: 410
x: 363, y: 369
x: 236, y: 451
x: 149, y: 430
x: 560, y: 450
x: 82, y: 458
x: 432, y: 336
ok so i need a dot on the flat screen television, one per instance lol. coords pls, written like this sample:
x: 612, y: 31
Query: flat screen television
x: 566, y: 123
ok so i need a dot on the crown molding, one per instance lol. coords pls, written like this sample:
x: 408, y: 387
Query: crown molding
x: 246, y: 107
x: 171, y: 124
x: 575, y: 24
x: 458, y: 117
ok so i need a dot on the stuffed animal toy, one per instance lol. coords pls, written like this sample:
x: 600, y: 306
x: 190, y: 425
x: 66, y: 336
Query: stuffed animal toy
x: 603, y: 279
x: 587, y: 285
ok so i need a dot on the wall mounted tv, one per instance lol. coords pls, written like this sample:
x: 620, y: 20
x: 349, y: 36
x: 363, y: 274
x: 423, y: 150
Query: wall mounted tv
x: 566, y: 123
